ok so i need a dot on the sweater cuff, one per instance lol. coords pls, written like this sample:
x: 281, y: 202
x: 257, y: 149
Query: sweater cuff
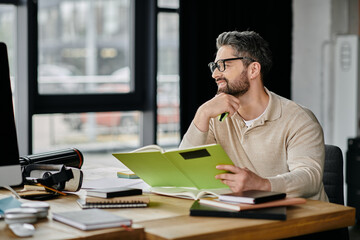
x: 277, y: 184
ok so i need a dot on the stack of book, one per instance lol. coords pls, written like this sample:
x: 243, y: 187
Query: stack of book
x: 248, y: 204
x: 114, y: 198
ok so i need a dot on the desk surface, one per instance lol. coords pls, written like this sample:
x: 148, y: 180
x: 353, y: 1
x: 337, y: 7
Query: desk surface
x: 168, y: 218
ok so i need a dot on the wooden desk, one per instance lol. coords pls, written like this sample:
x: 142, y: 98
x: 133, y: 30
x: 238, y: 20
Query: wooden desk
x: 314, y: 216
x: 168, y: 218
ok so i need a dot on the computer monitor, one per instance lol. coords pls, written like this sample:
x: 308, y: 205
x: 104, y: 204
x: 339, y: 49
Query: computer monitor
x: 10, y: 170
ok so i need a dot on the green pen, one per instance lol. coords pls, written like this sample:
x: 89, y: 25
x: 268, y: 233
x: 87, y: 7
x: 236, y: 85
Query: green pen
x: 222, y: 116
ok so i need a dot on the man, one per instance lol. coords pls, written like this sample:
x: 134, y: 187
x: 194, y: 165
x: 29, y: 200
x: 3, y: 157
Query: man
x: 275, y: 144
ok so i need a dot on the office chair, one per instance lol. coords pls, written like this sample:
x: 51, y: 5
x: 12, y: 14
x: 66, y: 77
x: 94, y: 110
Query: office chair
x: 333, y: 178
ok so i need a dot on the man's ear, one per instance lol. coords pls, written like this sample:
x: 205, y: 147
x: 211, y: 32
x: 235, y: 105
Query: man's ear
x: 254, y: 70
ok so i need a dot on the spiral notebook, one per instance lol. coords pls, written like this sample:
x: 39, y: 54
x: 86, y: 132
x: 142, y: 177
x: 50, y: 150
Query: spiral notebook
x: 117, y: 202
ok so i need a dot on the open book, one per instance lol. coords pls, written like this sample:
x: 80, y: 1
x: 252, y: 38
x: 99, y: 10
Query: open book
x: 190, y: 168
x: 190, y: 193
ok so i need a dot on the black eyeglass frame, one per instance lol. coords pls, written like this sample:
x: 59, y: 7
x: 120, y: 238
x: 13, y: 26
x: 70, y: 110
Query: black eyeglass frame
x: 213, y: 65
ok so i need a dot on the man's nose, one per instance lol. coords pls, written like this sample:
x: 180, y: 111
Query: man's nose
x: 216, y: 73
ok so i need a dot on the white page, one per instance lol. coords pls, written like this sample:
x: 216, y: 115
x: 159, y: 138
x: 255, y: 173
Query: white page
x: 115, y: 182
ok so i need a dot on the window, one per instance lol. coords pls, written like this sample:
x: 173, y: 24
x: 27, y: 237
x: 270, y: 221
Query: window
x: 167, y: 5
x: 168, y: 117
x: 8, y: 36
x: 84, y: 48
x: 86, y: 55
x: 90, y: 132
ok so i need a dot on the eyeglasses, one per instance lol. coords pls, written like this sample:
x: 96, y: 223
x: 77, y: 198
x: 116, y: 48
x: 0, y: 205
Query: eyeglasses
x: 220, y: 64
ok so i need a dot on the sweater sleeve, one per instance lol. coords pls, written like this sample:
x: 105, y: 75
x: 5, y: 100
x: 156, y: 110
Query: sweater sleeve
x: 194, y: 137
x: 305, y: 160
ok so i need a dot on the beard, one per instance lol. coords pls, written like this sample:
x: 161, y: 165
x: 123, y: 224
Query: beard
x: 238, y: 88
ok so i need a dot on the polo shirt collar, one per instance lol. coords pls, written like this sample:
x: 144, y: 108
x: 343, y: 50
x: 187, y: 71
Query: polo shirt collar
x: 272, y: 112
x: 274, y: 108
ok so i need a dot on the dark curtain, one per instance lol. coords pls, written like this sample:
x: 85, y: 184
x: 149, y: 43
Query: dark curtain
x: 200, y: 24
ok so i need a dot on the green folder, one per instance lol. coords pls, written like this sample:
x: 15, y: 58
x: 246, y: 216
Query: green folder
x: 192, y: 167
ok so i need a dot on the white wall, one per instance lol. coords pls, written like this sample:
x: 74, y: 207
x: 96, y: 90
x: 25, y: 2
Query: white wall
x: 316, y: 24
x: 311, y: 32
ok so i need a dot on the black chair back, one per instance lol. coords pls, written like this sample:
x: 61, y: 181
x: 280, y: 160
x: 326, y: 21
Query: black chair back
x: 334, y: 174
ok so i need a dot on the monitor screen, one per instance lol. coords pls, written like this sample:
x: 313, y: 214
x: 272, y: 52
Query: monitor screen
x: 10, y: 170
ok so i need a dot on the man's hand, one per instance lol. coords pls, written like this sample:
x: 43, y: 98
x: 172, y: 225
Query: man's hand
x: 242, y: 179
x: 214, y: 107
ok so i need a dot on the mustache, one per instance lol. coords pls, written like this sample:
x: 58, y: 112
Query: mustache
x: 221, y: 79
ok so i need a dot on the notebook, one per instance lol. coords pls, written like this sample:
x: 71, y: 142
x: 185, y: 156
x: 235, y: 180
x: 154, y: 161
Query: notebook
x: 85, y: 205
x: 252, y: 196
x: 113, y: 192
x: 117, y: 202
x: 91, y: 219
x: 245, y: 206
x: 275, y: 213
x: 7, y: 203
x: 192, y: 167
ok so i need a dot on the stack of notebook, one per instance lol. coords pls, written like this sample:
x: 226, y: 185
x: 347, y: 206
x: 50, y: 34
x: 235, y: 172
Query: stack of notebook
x: 249, y: 204
x: 114, y: 198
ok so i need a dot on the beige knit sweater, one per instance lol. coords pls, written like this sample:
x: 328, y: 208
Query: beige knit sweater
x: 285, y: 145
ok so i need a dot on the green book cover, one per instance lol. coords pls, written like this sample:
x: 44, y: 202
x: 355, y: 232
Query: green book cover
x: 192, y: 167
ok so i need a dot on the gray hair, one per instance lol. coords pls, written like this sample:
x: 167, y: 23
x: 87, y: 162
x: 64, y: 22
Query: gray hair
x: 248, y: 44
